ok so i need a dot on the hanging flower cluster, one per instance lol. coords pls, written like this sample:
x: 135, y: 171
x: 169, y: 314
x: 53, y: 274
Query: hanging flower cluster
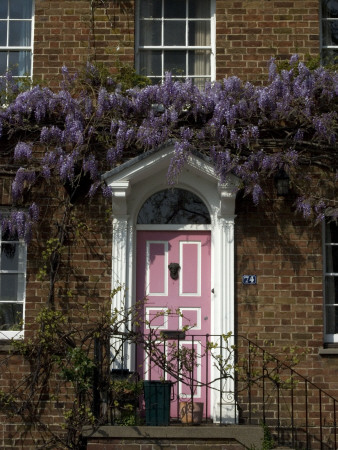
x: 252, y: 132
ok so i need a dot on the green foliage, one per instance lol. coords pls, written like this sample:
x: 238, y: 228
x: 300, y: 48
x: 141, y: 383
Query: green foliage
x: 125, y: 396
x: 77, y: 368
x: 268, y: 440
x: 127, y: 77
x: 311, y: 62
x: 97, y: 75
x: 53, y: 246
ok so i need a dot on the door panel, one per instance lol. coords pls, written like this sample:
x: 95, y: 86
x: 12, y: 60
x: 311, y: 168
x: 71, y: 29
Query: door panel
x: 156, y: 268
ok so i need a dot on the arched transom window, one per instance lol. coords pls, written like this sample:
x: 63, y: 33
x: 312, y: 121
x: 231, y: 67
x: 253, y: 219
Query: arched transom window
x: 173, y: 206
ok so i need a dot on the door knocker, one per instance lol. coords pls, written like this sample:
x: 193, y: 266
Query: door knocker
x: 174, y: 268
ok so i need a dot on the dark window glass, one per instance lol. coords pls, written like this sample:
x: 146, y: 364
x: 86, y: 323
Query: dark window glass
x: 199, y: 9
x: 151, y: 62
x: 175, y: 62
x: 175, y: 9
x: 174, y: 32
x: 331, y: 234
x: 19, y: 33
x: 11, y: 316
x: 3, y: 33
x: 150, y: 9
x: 20, y: 63
x: 331, y: 281
x: 3, y: 9
x: 174, y: 206
x: 20, y: 9
x: 150, y: 32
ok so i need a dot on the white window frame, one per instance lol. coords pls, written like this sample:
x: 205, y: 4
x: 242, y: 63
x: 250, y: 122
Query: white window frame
x: 328, y: 337
x: 16, y: 334
x: 211, y: 47
x: 323, y: 21
x: 29, y: 48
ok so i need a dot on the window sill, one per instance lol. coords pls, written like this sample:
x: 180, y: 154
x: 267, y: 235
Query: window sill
x: 328, y: 351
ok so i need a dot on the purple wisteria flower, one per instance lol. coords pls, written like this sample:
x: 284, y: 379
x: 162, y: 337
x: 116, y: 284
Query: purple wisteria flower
x: 90, y: 165
x: 23, y: 150
x: 303, y: 205
x: 22, y: 179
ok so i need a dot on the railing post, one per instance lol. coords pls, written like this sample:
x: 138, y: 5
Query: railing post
x: 249, y: 379
x: 334, y: 423
x: 306, y: 416
x: 178, y: 380
x: 320, y: 419
x: 292, y: 411
x: 220, y: 391
x: 96, y: 378
x: 207, y: 378
x: 278, y: 406
x: 263, y: 387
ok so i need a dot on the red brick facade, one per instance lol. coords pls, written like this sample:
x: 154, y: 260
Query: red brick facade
x: 285, y: 252
x: 248, y: 34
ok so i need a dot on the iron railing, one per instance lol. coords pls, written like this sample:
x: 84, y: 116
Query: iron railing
x: 239, y: 382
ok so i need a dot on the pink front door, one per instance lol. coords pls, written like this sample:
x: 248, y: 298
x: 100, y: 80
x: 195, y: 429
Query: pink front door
x: 186, y: 296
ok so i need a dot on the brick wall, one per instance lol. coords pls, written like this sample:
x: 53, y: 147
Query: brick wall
x: 248, y: 34
x: 73, y: 32
x: 285, y: 308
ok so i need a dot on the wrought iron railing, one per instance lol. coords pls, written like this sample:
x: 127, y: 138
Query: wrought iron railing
x: 238, y: 382
x: 300, y: 413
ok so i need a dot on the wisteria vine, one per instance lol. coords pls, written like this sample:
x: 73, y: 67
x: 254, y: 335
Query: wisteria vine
x: 253, y: 132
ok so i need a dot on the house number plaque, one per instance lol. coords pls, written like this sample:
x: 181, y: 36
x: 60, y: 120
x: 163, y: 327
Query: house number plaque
x: 249, y: 279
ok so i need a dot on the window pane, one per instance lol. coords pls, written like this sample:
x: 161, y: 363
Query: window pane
x: 10, y: 256
x: 332, y: 259
x: 11, y: 317
x: 20, y: 9
x: 199, y: 9
x: 3, y: 63
x: 19, y: 33
x: 3, y: 9
x: 199, y: 33
x: 9, y: 287
x: 3, y: 33
x: 200, y: 82
x: 150, y: 8
x: 150, y: 62
x: 20, y: 63
x: 330, y: 8
x: 150, y: 32
x: 155, y: 80
x: 331, y: 232
x: 330, y: 33
x: 174, y: 9
x: 176, y: 206
x: 331, y: 290
x: 174, y: 32
x: 174, y: 62
x: 199, y: 62
x: 329, y: 56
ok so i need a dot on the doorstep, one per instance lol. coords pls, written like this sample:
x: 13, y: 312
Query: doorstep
x: 248, y: 436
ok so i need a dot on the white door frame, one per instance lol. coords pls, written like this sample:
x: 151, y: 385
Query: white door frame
x: 132, y: 184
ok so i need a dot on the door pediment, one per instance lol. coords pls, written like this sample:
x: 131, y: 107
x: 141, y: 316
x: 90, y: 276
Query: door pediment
x: 154, y: 161
x: 148, y: 172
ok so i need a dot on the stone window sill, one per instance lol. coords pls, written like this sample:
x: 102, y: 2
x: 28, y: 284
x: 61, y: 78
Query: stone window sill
x: 328, y: 351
